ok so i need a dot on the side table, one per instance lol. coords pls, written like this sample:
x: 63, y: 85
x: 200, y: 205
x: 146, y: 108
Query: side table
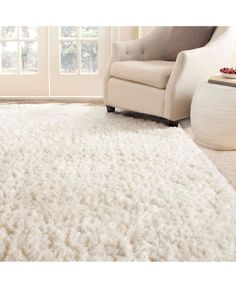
x: 213, y: 116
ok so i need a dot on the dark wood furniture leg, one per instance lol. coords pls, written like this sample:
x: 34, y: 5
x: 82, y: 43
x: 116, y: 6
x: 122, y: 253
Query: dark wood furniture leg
x: 171, y: 123
x: 110, y: 109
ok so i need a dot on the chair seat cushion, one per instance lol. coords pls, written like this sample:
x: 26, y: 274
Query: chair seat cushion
x: 154, y: 73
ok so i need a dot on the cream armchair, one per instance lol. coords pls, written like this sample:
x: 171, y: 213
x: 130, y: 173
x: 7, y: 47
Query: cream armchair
x: 138, y: 79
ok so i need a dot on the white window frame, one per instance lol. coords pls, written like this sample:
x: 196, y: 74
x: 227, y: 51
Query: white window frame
x: 78, y: 41
x: 19, y: 40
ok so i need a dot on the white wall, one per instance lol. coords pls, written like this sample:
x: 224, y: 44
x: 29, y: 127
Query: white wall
x: 123, y: 33
x: 234, y: 56
x: 129, y: 32
x: 144, y: 30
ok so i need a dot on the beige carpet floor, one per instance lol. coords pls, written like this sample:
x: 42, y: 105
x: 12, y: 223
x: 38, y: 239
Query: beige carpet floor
x: 79, y: 184
x: 225, y: 161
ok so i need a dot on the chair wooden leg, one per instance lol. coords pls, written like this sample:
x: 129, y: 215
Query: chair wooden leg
x: 110, y: 109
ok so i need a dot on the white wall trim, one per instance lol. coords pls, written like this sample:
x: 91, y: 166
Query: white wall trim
x: 61, y: 99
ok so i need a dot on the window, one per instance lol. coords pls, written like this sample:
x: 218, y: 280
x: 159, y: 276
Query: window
x: 55, y: 61
x: 18, y: 50
x: 79, y: 49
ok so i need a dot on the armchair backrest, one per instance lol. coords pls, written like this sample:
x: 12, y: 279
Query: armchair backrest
x: 154, y: 44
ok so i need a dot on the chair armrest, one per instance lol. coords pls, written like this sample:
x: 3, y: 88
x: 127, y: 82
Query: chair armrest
x: 150, y: 47
x: 122, y: 51
x: 191, y: 68
x: 194, y: 66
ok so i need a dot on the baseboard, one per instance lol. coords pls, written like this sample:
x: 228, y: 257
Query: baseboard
x: 62, y: 99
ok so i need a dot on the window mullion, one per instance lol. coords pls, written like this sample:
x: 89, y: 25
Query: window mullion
x: 67, y: 38
x: 89, y: 39
x: 18, y: 51
x: 79, y: 51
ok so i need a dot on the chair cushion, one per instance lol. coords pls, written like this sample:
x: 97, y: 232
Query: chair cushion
x: 153, y: 73
x: 187, y: 38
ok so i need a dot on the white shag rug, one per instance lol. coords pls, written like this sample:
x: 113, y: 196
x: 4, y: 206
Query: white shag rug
x: 77, y: 183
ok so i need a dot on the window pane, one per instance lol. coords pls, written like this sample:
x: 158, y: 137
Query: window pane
x: 8, y: 53
x: 29, y: 56
x: 68, y: 31
x: 8, y: 32
x: 68, y: 56
x: 29, y: 32
x: 89, y: 32
x: 89, y: 57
